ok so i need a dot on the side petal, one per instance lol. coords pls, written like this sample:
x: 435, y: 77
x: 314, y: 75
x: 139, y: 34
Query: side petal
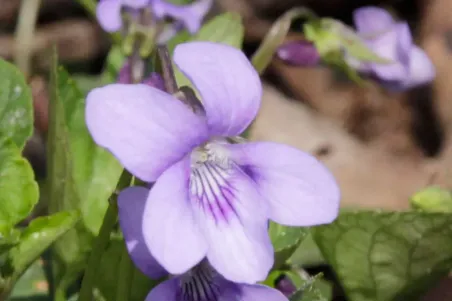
x: 301, y: 191
x: 387, y: 46
x: 165, y: 291
x: 372, y: 19
x: 260, y: 293
x: 131, y: 202
x: 146, y: 129
x: 190, y: 15
x: 422, y: 70
x: 229, y: 85
x: 233, y: 219
x: 108, y: 13
x: 169, y: 226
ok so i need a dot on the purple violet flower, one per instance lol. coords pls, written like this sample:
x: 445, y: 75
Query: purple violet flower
x: 211, y: 199
x: 299, y: 53
x: 109, y: 12
x: 392, y: 40
x: 154, y: 79
x: 202, y: 283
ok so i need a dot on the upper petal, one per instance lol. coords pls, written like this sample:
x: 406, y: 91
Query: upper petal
x: 229, y: 85
x: 301, y: 191
x: 165, y: 291
x: 370, y: 19
x: 190, y: 15
x: 169, y: 226
x: 233, y: 219
x: 145, y: 128
x: 108, y: 13
x: 131, y: 202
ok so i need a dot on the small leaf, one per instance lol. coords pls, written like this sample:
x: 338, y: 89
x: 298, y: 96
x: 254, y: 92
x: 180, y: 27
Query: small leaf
x: 387, y: 256
x: 16, y: 105
x: 32, y: 285
x: 285, y: 241
x: 306, y: 254
x: 310, y: 288
x: 111, y: 277
x: 37, y: 237
x: 433, y: 199
x: 276, y: 36
x: 18, y: 189
x: 115, y: 60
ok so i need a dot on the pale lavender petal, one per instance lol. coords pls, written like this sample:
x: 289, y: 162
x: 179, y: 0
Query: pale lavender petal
x: 145, y: 128
x: 371, y: 19
x: 422, y: 70
x: 230, y: 87
x: 260, y: 293
x: 131, y: 202
x: 165, y: 291
x: 108, y: 13
x: 169, y: 228
x: 233, y: 218
x: 190, y: 15
x: 404, y: 43
x: 136, y: 4
x: 387, y: 47
x: 301, y: 191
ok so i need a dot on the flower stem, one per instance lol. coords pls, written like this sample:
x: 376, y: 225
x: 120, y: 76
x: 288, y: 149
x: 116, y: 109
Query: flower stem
x: 100, y: 244
x: 126, y: 268
x: 89, y: 6
x: 167, y: 70
x: 25, y: 28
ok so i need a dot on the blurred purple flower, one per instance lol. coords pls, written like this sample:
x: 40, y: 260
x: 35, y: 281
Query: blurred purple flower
x: 392, y: 40
x: 286, y: 286
x: 299, y: 53
x: 109, y: 12
x: 210, y: 198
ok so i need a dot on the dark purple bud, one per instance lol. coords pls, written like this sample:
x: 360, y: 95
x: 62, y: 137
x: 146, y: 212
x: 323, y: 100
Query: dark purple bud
x: 155, y: 80
x: 285, y: 285
x: 299, y: 53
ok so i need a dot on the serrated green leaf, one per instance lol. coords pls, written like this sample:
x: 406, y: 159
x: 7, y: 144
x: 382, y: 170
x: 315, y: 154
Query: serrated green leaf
x: 112, y: 281
x: 16, y: 105
x: 37, y: 237
x: 18, y: 190
x: 433, y: 199
x: 285, y: 241
x: 226, y: 28
x: 276, y: 36
x: 387, y: 256
x: 95, y: 170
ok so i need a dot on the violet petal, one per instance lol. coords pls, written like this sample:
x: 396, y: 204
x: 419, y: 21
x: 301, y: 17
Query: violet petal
x: 108, y: 13
x: 170, y: 230
x: 145, y: 128
x: 372, y: 19
x: 230, y: 87
x: 300, y: 189
x: 131, y: 202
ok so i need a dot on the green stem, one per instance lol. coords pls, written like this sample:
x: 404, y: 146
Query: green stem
x: 126, y: 275
x: 100, y: 244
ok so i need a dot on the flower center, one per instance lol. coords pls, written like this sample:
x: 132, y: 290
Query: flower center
x: 198, y: 285
x: 210, y: 181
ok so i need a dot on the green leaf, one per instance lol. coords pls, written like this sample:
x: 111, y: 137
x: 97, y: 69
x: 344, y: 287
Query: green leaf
x: 285, y: 241
x: 433, y: 199
x: 16, y: 105
x: 306, y: 254
x: 226, y: 28
x: 95, y: 170
x: 276, y: 36
x: 387, y: 256
x: 32, y: 285
x: 37, y: 237
x: 71, y: 250
x: 115, y: 60
x: 18, y: 189
x: 310, y: 288
x: 118, y: 278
